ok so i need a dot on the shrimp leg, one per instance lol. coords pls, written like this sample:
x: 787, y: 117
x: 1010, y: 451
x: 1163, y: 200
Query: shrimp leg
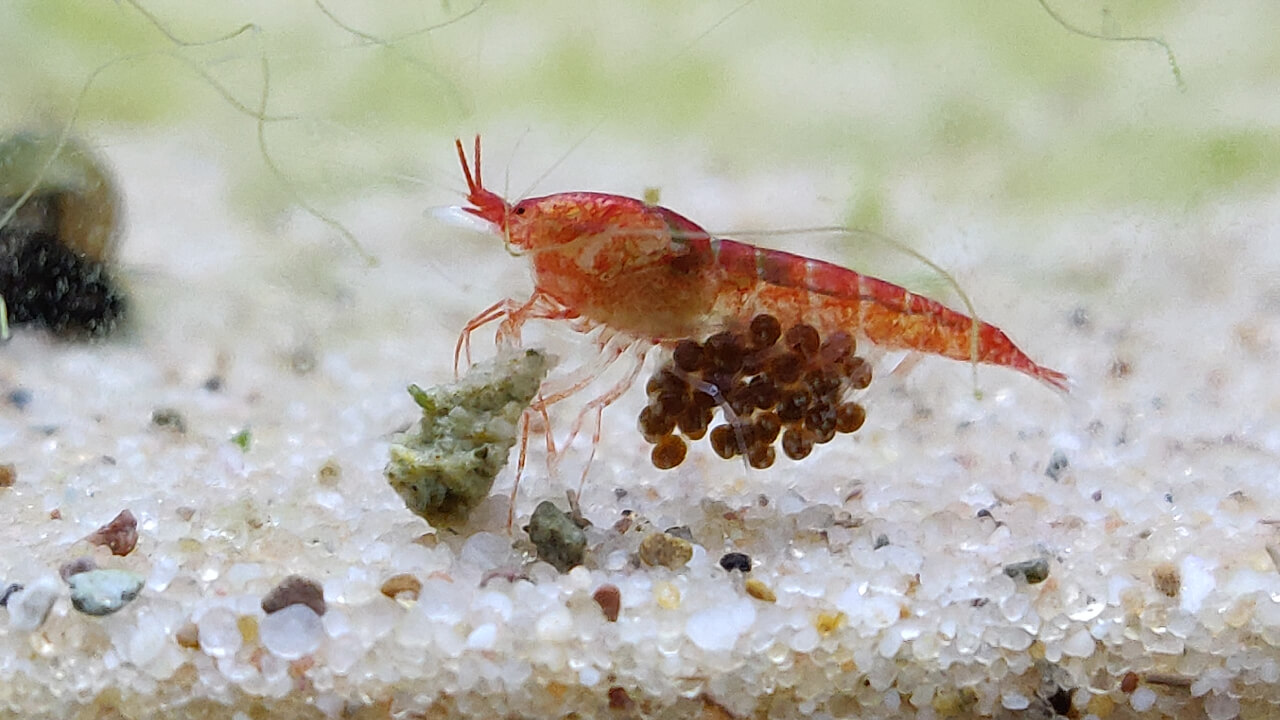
x: 514, y: 314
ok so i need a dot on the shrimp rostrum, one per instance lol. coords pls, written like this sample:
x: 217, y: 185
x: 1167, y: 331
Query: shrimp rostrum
x: 644, y: 276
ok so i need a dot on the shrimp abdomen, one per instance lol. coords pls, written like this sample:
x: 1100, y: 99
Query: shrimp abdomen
x: 832, y: 297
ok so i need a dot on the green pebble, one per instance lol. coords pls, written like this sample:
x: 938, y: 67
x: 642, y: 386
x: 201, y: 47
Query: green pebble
x: 558, y: 538
x: 102, y: 592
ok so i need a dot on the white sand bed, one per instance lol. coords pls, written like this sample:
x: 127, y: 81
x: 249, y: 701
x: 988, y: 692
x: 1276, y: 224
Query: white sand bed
x: 886, y: 552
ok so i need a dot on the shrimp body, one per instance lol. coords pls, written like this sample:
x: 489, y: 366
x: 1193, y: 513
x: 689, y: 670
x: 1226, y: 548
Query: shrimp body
x: 653, y: 274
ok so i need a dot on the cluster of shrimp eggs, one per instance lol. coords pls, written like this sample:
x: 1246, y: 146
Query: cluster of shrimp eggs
x: 766, y: 383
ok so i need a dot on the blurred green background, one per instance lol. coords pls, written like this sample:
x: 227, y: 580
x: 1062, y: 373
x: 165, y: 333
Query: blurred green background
x: 978, y: 104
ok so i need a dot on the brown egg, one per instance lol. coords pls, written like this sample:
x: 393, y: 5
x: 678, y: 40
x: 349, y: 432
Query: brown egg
x: 803, y: 339
x: 849, y: 417
x: 668, y: 452
x: 687, y: 355
x: 797, y: 443
x: 761, y: 456
x: 724, y: 441
x: 765, y: 331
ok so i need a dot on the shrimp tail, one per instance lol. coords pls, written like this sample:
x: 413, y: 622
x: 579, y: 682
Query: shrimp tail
x: 835, y: 297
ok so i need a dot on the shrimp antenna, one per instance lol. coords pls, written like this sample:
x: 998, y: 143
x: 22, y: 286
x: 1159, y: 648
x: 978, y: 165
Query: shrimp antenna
x: 472, y: 185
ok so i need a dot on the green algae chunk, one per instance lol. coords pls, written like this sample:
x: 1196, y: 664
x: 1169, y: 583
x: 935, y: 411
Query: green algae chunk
x: 446, y: 465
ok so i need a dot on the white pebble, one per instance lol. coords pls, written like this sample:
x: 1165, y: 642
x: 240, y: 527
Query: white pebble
x: 29, y: 607
x: 291, y: 632
x: 718, y: 628
x: 482, y: 637
x: 1142, y: 699
x: 219, y: 635
x: 146, y: 642
x: 1221, y: 707
x: 1197, y: 583
x: 555, y: 626
x: 1013, y: 700
x: 1079, y: 644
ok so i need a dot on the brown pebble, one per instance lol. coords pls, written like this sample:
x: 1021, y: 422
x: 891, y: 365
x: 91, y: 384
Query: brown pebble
x: 758, y: 590
x: 329, y: 474
x: 661, y: 549
x: 77, y: 566
x: 1129, y: 682
x: 55, y: 514
x: 1167, y: 579
x: 188, y: 636
x: 669, y: 452
x: 295, y: 590
x: 765, y: 331
x: 185, y: 512
x: 404, y: 584
x: 119, y: 536
x: 620, y: 700
x: 8, y: 475
x: 609, y: 598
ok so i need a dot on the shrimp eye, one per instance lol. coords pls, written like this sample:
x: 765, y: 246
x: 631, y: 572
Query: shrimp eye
x: 519, y: 210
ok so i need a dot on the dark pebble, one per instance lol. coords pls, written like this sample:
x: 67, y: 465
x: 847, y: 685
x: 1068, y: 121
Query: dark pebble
x: 4, y: 594
x: 681, y: 531
x: 1057, y: 463
x: 75, y: 567
x: 609, y: 598
x: 169, y: 418
x: 736, y: 561
x: 295, y: 590
x: 1033, y: 571
x: 119, y: 536
x: 557, y: 537
x: 19, y: 398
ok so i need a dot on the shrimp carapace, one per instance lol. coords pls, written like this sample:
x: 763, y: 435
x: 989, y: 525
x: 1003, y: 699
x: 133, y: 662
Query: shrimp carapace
x: 788, y: 388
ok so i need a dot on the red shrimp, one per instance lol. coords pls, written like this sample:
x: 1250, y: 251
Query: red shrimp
x: 653, y: 275
x: 643, y: 275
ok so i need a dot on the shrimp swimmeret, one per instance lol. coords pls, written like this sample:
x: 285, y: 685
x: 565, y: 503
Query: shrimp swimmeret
x: 644, y: 275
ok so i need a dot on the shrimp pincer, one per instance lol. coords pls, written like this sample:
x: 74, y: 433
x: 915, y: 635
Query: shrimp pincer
x: 653, y: 275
